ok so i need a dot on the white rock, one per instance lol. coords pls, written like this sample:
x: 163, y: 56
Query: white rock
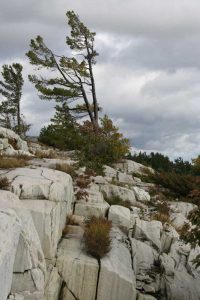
x: 148, y: 231
x: 141, y: 195
x: 144, y: 256
x: 53, y: 286
x: 117, y: 279
x: 110, y: 173
x: 78, y: 270
x: 10, y: 227
x: 130, y: 166
x: 49, y: 219
x: 124, y: 194
x: 120, y: 216
x: 168, y: 236
x: 29, y: 267
x: 87, y: 209
x: 145, y: 297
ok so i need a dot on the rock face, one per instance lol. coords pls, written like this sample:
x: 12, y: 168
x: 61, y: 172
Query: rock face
x: 12, y: 144
x: 48, y: 196
x: 79, y: 271
x: 120, y: 216
x: 26, y: 262
x: 117, y: 279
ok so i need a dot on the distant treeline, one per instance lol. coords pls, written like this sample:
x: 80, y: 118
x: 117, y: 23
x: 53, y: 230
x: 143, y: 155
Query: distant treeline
x: 160, y: 162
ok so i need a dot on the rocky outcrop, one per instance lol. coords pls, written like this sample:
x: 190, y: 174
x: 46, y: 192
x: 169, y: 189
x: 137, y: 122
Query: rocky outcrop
x: 11, y: 144
x: 38, y: 261
x: 47, y: 194
x: 24, y: 259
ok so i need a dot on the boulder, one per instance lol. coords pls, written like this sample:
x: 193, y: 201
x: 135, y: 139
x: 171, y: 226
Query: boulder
x: 144, y: 256
x: 111, y: 190
x: 8, y: 139
x: 141, y: 195
x: 120, y: 216
x: 87, y: 209
x: 149, y: 231
x: 168, y: 237
x: 130, y: 167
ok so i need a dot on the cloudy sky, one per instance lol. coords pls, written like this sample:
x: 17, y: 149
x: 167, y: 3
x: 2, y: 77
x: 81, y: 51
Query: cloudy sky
x: 148, y: 71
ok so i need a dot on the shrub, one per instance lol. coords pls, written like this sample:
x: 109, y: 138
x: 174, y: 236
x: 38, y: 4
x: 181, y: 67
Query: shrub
x: 80, y: 195
x: 4, y: 183
x: 192, y: 234
x: 11, y: 163
x: 83, y: 181
x: 13, y: 143
x: 106, y: 146
x: 115, y: 200
x: 97, y: 236
x: 178, y: 184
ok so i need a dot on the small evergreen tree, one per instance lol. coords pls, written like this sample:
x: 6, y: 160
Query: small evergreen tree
x: 11, y: 89
x: 10, y: 108
x: 62, y: 133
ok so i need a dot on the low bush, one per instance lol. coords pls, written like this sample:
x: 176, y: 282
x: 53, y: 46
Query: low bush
x: 81, y: 195
x: 178, y: 185
x: 115, y: 200
x: 100, y: 148
x: 83, y: 181
x: 4, y: 183
x: 11, y: 163
x: 97, y: 236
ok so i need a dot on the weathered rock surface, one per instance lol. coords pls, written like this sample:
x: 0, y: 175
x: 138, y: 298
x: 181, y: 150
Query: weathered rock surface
x: 48, y: 195
x: 111, y: 190
x: 120, y: 216
x: 78, y: 270
x: 8, y: 138
x: 28, y: 267
x: 117, y: 278
x: 149, y: 231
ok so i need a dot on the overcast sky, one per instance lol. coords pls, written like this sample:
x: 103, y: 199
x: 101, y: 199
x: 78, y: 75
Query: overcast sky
x: 148, y: 71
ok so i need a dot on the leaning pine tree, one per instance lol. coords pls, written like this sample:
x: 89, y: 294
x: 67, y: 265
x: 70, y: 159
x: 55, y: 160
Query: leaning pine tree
x: 73, y: 76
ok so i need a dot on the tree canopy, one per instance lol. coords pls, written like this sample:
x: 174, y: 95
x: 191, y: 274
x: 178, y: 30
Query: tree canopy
x: 72, y: 78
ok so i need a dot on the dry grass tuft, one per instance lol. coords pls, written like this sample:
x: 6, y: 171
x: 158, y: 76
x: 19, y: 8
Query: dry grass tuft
x: 45, y: 154
x: 12, y: 162
x: 4, y: 183
x: 97, y: 236
x: 66, y: 168
x: 163, y: 218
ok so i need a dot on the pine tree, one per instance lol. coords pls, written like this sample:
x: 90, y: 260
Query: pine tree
x: 11, y: 90
x: 74, y: 79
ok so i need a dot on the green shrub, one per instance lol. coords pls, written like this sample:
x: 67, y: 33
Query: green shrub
x: 4, y: 183
x: 104, y: 147
x: 179, y: 185
x: 97, y: 236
